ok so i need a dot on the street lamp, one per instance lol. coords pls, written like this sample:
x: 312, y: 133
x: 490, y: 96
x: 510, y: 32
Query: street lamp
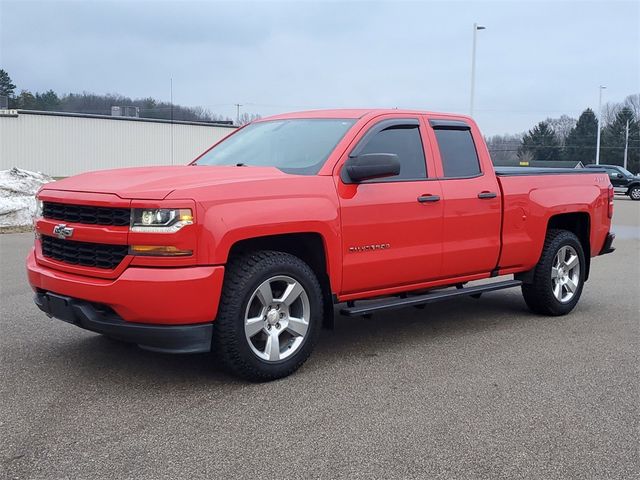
x: 476, y: 27
x: 602, y: 87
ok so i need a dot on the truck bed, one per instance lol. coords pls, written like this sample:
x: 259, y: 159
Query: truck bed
x: 520, y: 171
x: 531, y: 196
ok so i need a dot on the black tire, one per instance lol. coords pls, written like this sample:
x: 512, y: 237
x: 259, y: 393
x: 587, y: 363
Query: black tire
x: 243, y: 275
x: 634, y: 192
x: 539, y: 295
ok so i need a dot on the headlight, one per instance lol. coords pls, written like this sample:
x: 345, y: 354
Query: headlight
x: 37, y: 214
x: 38, y: 211
x: 160, y: 220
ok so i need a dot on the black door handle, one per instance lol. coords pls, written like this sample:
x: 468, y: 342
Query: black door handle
x: 428, y: 198
x: 487, y: 195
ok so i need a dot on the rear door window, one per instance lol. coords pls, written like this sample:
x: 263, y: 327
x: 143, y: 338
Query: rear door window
x: 458, y: 152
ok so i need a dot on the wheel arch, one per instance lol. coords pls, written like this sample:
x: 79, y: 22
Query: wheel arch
x: 632, y: 186
x: 579, y: 223
x: 310, y: 247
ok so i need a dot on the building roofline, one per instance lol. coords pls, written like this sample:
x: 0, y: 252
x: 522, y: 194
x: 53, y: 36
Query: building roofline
x: 130, y: 119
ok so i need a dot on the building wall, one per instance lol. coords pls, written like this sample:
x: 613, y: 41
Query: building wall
x: 66, y: 144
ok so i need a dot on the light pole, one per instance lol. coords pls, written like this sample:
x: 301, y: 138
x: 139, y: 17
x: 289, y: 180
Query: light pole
x: 476, y: 27
x: 238, y: 113
x: 626, y: 145
x: 602, y: 87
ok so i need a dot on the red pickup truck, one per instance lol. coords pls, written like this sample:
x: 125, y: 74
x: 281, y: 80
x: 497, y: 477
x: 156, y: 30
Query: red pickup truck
x: 245, y: 251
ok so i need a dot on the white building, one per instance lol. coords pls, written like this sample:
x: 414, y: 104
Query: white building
x: 63, y: 144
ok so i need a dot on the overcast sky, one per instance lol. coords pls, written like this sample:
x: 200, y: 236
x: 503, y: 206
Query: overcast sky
x: 534, y: 60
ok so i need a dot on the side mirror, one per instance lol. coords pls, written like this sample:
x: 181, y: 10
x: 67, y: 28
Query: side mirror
x: 620, y: 175
x: 369, y: 166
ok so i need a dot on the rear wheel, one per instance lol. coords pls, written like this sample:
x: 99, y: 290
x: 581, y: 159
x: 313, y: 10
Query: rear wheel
x: 634, y: 192
x: 269, y: 316
x: 558, y: 277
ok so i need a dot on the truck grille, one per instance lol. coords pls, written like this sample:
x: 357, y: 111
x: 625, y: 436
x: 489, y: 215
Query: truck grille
x: 86, y: 214
x: 100, y: 255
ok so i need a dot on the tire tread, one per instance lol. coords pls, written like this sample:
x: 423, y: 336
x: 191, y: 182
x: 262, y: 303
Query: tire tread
x: 538, y: 295
x: 240, y: 271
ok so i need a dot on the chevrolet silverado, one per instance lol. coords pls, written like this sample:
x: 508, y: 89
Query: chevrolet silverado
x: 245, y: 251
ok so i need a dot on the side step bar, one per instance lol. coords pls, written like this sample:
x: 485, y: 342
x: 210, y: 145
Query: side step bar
x: 395, y: 303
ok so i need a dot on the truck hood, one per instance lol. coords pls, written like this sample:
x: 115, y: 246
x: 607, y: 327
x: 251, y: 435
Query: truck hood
x: 156, y: 183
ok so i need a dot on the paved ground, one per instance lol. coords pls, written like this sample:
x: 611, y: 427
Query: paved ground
x: 466, y: 389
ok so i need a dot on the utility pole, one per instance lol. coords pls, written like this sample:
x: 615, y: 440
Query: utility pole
x: 237, y: 113
x: 476, y: 27
x: 626, y: 145
x: 602, y: 87
x: 171, y: 126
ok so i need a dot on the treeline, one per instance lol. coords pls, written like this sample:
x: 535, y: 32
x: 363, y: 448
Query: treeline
x: 101, y: 104
x: 554, y: 139
x: 568, y: 139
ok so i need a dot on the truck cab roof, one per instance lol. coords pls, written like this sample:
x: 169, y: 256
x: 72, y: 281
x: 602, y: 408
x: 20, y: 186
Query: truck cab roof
x: 359, y: 113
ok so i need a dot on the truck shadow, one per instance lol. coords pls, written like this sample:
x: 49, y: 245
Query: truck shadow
x: 453, y: 318
x: 107, y: 360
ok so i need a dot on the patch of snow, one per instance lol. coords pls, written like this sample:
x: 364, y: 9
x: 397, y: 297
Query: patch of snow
x: 17, y: 196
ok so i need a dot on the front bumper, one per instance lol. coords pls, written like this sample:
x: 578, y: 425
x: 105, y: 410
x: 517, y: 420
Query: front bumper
x: 160, y: 296
x: 608, y: 242
x: 159, y: 338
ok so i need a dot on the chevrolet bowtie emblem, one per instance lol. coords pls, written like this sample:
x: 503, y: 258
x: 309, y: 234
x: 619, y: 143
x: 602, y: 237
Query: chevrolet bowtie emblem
x: 62, y: 231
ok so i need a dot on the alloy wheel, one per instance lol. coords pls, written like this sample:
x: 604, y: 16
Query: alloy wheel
x: 276, y: 319
x: 565, y: 274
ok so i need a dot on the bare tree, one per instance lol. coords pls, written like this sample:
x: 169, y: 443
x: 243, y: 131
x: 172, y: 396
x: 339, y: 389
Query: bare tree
x: 504, y: 148
x: 246, y: 117
x: 609, y: 112
x: 525, y: 156
x: 562, y: 126
x: 633, y: 102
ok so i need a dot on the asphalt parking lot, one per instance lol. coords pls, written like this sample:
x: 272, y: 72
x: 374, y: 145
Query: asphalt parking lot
x: 464, y: 389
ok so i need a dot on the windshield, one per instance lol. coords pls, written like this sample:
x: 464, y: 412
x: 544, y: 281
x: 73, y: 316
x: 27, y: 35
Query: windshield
x: 298, y: 146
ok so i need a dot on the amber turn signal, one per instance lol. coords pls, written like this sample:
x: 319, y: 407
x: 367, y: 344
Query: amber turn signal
x: 158, y: 250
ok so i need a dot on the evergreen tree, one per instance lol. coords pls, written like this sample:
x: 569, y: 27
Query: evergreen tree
x: 613, y: 141
x: 541, y: 142
x: 6, y: 85
x: 580, y: 145
x: 26, y: 101
x: 47, y: 101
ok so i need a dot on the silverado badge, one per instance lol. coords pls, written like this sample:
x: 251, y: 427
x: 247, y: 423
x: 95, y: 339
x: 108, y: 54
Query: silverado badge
x: 369, y: 248
x: 62, y: 231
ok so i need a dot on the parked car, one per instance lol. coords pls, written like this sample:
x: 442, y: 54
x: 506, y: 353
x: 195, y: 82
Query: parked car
x: 245, y: 251
x: 623, y: 180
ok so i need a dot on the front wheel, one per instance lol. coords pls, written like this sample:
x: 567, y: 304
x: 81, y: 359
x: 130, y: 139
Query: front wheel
x: 634, y: 193
x: 269, y: 315
x: 558, y: 277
